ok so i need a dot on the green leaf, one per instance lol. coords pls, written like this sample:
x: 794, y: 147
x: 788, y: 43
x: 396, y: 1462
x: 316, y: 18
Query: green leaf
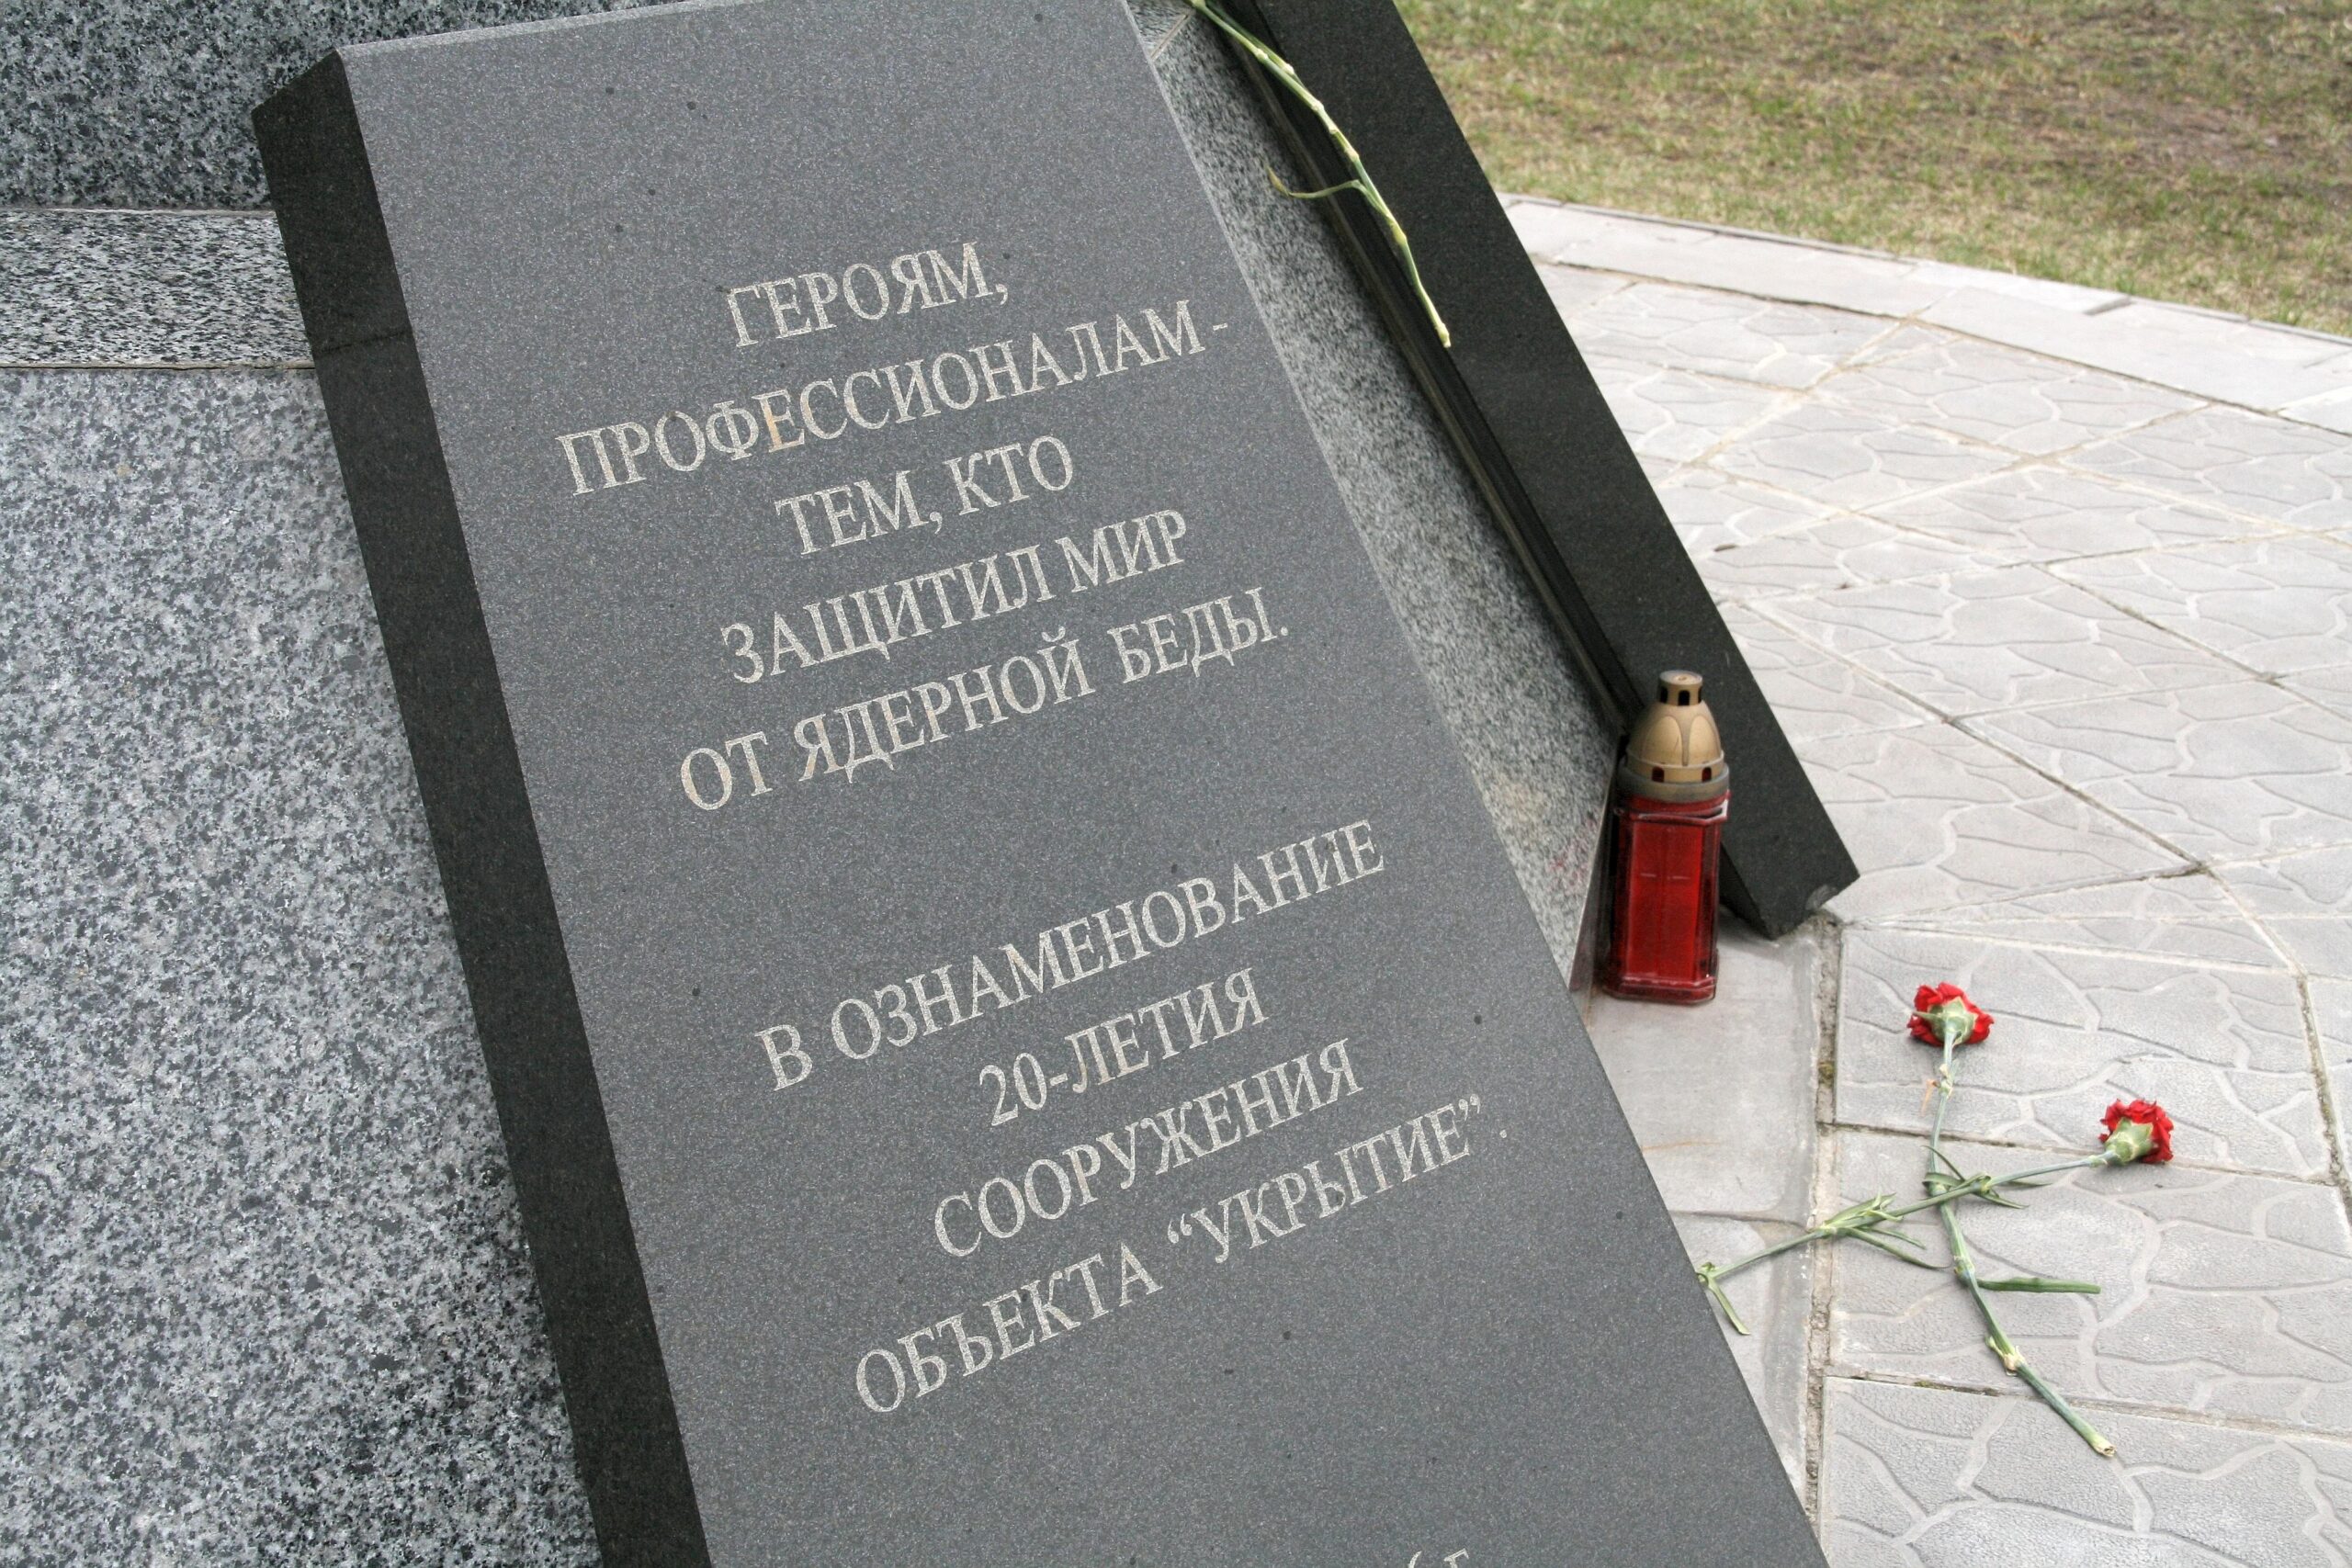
x: 1880, y: 1241
x: 2039, y: 1286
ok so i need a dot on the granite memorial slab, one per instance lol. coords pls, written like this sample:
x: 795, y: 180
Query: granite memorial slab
x: 1016, y: 1037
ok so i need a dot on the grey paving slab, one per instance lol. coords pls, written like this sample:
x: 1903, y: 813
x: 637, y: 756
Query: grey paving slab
x: 1937, y: 819
x: 1853, y: 456
x: 2132, y: 603
x: 2329, y: 409
x: 1814, y: 695
x: 2239, y: 337
x: 1718, y: 257
x: 1985, y: 640
x: 2319, y: 944
x: 1714, y: 258
x: 2266, y: 468
x: 2316, y: 883
x: 2048, y: 513
x: 1547, y: 227
x: 1713, y: 512
x: 2229, y: 359
x: 1571, y: 288
x: 1724, y: 1132
x: 1775, y: 1300
x: 1722, y: 335
x: 2304, y: 901
x: 1838, y: 552
x: 2223, y: 1049
x: 2237, y: 770
x: 2330, y: 687
x: 1927, y: 1478
x: 2190, y: 918
x: 1658, y: 467
x: 2073, y: 298
x: 1680, y: 415
x: 2276, y: 605
x: 1933, y: 379
x: 2221, y: 1295
x: 145, y: 289
x: 2331, y: 1016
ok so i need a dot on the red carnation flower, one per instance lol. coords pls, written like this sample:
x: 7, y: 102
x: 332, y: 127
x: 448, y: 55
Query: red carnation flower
x: 2149, y: 1138
x: 1943, y: 1012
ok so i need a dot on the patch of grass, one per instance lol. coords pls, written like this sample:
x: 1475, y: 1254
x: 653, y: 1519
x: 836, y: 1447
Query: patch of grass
x: 2190, y: 150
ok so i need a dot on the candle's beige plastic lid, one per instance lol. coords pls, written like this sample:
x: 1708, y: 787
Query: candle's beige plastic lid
x: 1676, y: 753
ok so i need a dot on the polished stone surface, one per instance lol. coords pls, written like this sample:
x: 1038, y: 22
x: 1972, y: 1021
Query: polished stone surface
x: 163, y: 288
x: 273, y: 1297
x: 265, y: 1280
x: 144, y: 106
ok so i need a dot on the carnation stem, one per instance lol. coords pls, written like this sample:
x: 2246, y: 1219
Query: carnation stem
x: 1963, y: 1266
x: 1867, y: 1222
x: 1275, y: 67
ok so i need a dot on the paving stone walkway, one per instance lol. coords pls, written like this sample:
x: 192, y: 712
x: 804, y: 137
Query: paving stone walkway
x: 2053, y: 590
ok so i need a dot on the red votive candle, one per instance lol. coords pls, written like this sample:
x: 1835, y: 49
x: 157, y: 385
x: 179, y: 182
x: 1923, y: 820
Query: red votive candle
x: 1673, y: 793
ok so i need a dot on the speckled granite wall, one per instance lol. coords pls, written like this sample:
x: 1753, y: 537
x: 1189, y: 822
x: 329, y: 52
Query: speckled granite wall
x: 263, y: 1295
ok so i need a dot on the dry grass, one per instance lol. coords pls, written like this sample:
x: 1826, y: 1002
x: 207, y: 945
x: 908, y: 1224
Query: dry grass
x: 2189, y: 150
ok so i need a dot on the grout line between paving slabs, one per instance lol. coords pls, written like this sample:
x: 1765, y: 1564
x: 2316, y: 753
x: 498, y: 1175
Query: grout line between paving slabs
x: 2329, y: 1128
x: 1828, y: 983
x: 2331, y: 1132
x: 2237, y: 674
x: 1822, y: 1367
x: 2253, y: 1424
x: 1760, y: 603
x: 2198, y: 861
x: 1916, y: 318
x: 1920, y: 925
x: 2016, y: 462
x: 2240, y: 673
x: 2255, y: 527
x: 2100, y: 808
x: 2202, y: 1167
x: 1819, y: 1368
